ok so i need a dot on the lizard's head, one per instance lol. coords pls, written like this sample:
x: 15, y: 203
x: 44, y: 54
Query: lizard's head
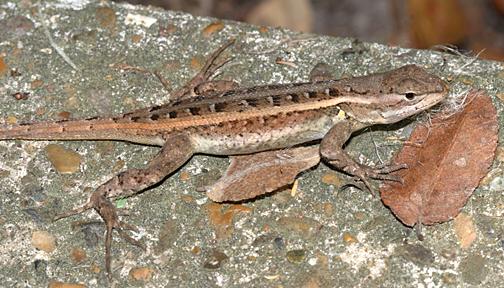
x: 396, y: 95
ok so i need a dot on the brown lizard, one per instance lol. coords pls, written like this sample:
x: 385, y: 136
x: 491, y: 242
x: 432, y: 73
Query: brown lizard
x: 215, y: 117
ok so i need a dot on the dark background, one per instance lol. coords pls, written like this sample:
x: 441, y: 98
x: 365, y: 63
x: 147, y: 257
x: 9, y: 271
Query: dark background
x: 468, y: 25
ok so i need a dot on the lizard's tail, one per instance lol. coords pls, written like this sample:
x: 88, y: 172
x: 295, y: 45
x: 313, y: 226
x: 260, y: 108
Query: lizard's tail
x: 90, y: 129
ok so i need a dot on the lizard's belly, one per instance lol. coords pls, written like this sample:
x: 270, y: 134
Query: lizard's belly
x: 261, y: 139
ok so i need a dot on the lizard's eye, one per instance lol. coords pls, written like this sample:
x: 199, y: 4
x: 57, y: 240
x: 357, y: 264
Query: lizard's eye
x: 409, y: 95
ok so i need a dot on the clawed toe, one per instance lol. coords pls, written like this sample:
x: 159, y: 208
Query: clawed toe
x: 362, y: 174
x: 386, y: 169
x: 110, y: 217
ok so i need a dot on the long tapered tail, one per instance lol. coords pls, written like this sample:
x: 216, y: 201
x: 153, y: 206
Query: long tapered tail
x: 88, y: 129
x: 63, y: 130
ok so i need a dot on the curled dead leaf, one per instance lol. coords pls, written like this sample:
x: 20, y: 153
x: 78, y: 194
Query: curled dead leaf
x: 443, y: 172
x: 249, y: 176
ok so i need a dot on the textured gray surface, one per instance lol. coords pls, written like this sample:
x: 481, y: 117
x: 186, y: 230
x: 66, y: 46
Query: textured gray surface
x: 316, y: 238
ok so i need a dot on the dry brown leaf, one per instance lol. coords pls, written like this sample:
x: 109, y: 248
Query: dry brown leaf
x: 445, y: 170
x: 249, y: 176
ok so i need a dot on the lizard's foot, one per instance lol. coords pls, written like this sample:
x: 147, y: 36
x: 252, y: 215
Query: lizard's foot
x: 363, y: 173
x: 206, y: 74
x: 108, y: 212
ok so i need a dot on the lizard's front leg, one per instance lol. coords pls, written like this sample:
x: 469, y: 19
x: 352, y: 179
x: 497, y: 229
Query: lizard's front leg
x: 332, y: 151
x: 176, y: 151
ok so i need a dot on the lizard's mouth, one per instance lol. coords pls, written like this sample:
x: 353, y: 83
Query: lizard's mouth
x: 426, y: 102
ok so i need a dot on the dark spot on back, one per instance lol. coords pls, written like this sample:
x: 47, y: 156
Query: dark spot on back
x: 155, y: 108
x: 219, y: 107
x: 195, y: 111
x: 277, y: 100
x: 135, y: 119
x: 295, y: 98
x: 154, y: 117
x: 333, y: 92
x: 252, y: 102
x: 172, y: 114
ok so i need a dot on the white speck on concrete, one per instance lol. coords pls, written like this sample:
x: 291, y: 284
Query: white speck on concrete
x: 141, y: 20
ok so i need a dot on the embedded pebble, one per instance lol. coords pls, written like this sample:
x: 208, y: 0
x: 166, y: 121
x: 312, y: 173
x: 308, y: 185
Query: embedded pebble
x: 57, y: 284
x: 417, y: 254
x: 304, y: 227
x: 465, y: 230
x: 215, y: 260
x: 65, y: 161
x: 143, y: 274
x: 44, y: 241
x: 349, y: 238
x: 78, y: 254
x: 296, y: 256
x: 473, y: 269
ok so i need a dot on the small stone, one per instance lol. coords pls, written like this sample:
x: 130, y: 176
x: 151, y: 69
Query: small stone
x: 15, y: 26
x: 465, y: 230
x: 167, y: 235
x: 221, y: 217
x: 44, y: 241
x: 136, y: 38
x: 302, y: 226
x: 360, y: 216
x: 497, y: 184
x: 216, y: 259
x: 11, y: 120
x: 279, y: 243
x: 417, y: 254
x: 118, y: 166
x: 40, y: 267
x: 212, y: 29
x: 65, y: 161
x: 349, y: 238
x: 473, y: 269
x: 296, y: 256
x: 449, y: 254
x: 95, y: 268
x: 331, y: 178
x: 4, y: 173
x: 187, y: 199
x: 196, y: 250
x: 36, y: 84
x: 3, y: 67
x: 184, y: 176
x: 106, y: 17
x: 57, y: 284
x: 328, y: 209
x: 64, y: 115
x: 143, y: 274
x: 78, y: 255
x: 449, y: 278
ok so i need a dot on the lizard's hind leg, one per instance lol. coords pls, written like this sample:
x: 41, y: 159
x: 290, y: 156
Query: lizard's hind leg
x: 175, y: 153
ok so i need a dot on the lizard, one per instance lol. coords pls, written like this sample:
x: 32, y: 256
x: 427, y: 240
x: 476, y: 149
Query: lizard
x: 218, y: 118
